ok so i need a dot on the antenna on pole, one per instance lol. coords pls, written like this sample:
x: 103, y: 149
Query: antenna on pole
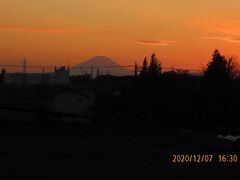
x: 68, y: 62
x: 24, y: 71
x: 68, y: 65
x: 24, y: 66
x: 92, y: 71
x: 136, y: 70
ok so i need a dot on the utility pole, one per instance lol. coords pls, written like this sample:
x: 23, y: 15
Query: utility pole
x: 136, y: 70
x: 97, y: 72
x: 92, y: 71
x: 24, y: 66
x: 24, y: 70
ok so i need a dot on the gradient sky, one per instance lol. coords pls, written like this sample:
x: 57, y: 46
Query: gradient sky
x: 182, y: 33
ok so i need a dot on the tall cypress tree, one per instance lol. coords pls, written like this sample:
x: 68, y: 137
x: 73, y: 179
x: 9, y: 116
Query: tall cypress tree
x: 155, y: 67
x: 144, y: 70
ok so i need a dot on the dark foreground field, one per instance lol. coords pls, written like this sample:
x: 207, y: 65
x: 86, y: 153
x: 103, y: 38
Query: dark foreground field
x: 92, y: 151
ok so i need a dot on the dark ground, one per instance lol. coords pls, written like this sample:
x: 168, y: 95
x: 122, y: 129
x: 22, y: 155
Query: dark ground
x: 135, y: 134
x: 93, y: 151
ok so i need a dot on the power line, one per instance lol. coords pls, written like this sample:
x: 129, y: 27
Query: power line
x: 133, y: 66
x: 102, y: 67
x: 25, y: 66
x: 20, y: 66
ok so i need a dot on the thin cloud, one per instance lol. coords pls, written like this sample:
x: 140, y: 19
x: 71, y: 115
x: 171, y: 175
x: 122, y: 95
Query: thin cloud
x: 225, y: 26
x: 44, y: 30
x: 156, y: 42
x: 227, y: 39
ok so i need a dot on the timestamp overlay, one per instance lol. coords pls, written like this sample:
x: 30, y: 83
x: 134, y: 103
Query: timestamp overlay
x: 205, y: 158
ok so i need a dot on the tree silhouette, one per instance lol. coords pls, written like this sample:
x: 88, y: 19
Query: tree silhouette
x: 218, y: 69
x: 155, y: 67
x: 233, y: 69
x: 3, y: 72
x: 144, y: 70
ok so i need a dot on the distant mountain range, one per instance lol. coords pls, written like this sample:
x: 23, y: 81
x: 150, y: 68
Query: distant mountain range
x: 100, y: 65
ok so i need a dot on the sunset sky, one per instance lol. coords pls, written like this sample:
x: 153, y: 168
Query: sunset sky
x: 183, y: 34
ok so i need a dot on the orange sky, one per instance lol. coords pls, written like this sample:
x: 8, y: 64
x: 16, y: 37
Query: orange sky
x: 182, y: 33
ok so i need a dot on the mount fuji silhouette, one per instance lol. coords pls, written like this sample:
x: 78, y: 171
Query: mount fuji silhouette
x: 102, y: 64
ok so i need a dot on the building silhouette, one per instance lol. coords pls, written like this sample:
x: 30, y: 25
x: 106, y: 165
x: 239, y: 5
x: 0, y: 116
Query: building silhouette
x: 59, y: 76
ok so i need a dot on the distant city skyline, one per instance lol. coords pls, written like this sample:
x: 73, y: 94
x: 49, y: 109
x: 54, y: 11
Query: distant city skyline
x: 58, y: 32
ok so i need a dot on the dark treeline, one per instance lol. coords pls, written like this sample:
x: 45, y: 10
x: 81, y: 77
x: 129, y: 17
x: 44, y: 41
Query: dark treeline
x: 178, y: 96
x: 154, y: 95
